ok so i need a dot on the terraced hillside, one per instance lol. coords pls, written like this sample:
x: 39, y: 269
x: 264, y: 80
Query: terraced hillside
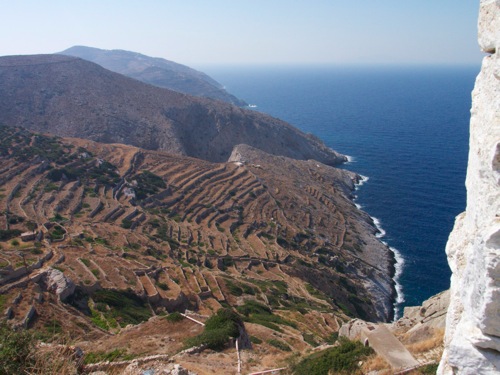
x: 122, y: 234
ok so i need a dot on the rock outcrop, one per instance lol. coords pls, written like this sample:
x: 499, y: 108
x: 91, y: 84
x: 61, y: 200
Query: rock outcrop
x: 418, y: 321
x: 60, y: 284
x: 472, y: 341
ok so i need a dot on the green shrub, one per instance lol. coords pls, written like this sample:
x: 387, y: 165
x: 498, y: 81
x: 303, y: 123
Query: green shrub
x: 124, y: 306
x: 6, y: 235
x: 163, y: 286
x: 310, y: 339
x: 234, y: 289
x: 258, y: 313
x: 14, y: 219
x: 16, y: 349
x: 98, y: 320
x: 428, y: 369
x: 148, y: 184
x: 267, y: 236
x: 50, y: 187
x: 58, y: 218
x: 255, y: 340
x: 101, y: 241
x: 114, y: 355
x: 36, y: 251
x: 126, y: 224
x: 174, y: 317
x: 332, y: 339
x: 57, y: 174
x: 219, y: 328
x: 280, y: 345
x: 342, y: 358
x: 253, y: 307
x: 85, y: 261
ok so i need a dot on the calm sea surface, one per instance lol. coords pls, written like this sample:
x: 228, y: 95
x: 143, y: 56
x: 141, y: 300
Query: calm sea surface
x: 406, y: 129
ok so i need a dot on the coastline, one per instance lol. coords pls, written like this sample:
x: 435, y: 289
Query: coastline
x: 397, y: 259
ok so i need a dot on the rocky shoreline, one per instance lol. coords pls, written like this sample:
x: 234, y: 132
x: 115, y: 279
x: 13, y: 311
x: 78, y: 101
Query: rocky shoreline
x: 376, y: 262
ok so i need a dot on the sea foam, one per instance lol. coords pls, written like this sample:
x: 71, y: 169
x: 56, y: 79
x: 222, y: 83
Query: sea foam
x: 399, y: 260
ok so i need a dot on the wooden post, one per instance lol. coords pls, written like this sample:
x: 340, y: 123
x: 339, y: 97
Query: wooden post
x: 239, y: 358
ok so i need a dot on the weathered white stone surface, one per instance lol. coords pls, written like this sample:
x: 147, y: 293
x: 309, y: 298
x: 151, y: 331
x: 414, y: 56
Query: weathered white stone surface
x: 59, y: 283
x: 472, y: 340
x: 419, y: 322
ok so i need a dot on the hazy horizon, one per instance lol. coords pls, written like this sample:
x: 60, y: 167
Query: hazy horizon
x: 224, y: 32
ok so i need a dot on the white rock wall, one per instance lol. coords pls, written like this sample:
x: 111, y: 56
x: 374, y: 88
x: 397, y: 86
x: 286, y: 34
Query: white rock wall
x: 472, y: 340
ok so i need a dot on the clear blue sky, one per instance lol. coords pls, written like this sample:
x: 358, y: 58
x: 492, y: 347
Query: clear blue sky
x: 200, y: 32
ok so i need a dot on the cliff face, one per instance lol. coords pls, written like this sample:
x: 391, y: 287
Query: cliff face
x: 472, y: 341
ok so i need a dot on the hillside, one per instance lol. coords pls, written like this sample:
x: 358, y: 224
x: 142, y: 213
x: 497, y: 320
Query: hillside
x: 125, y: 234
x: 73, y: 97
x: 156, y: 71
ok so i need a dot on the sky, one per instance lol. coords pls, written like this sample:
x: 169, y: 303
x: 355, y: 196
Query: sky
x: 263, y: 32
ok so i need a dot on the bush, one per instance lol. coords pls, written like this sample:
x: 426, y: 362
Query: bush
x: 429, y: 369
x: 310, y: 339
x: 19, y: 355
x: 238, y: 289
x: 255, y: 340
x: 124, y: 306
x: 126, y: 224
x: 6, y: 235
x: 174, y: 317
x: 279, y: 345
x: 16, y: 349
x: 253, y: 307
x: 258, y: 313
x: 219, y: 328
x: 163, y: 286
x: 233, y: 288
x: 114, y: 355
x: 148, y: 184
x: 342, y: 358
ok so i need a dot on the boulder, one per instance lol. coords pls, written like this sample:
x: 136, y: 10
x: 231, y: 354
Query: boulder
x: 59, y: 283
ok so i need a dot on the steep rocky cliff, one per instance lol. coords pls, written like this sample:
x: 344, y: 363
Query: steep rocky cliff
x: 472, y: 341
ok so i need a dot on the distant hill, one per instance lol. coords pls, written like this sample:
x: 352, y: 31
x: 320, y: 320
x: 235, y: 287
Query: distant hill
x: 69, y: 96
x: 156, y: 71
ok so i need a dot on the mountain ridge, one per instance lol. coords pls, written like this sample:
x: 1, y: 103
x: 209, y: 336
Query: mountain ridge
x: 156, y: 71
x: 73, y: 97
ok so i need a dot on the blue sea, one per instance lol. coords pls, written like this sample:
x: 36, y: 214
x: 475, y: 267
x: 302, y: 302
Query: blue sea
x: 405, y: 128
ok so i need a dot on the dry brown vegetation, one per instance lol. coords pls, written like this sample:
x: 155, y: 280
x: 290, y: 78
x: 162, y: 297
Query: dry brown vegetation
x: 376, y: 363
x: 428, y: 349
x: 197, y: 235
